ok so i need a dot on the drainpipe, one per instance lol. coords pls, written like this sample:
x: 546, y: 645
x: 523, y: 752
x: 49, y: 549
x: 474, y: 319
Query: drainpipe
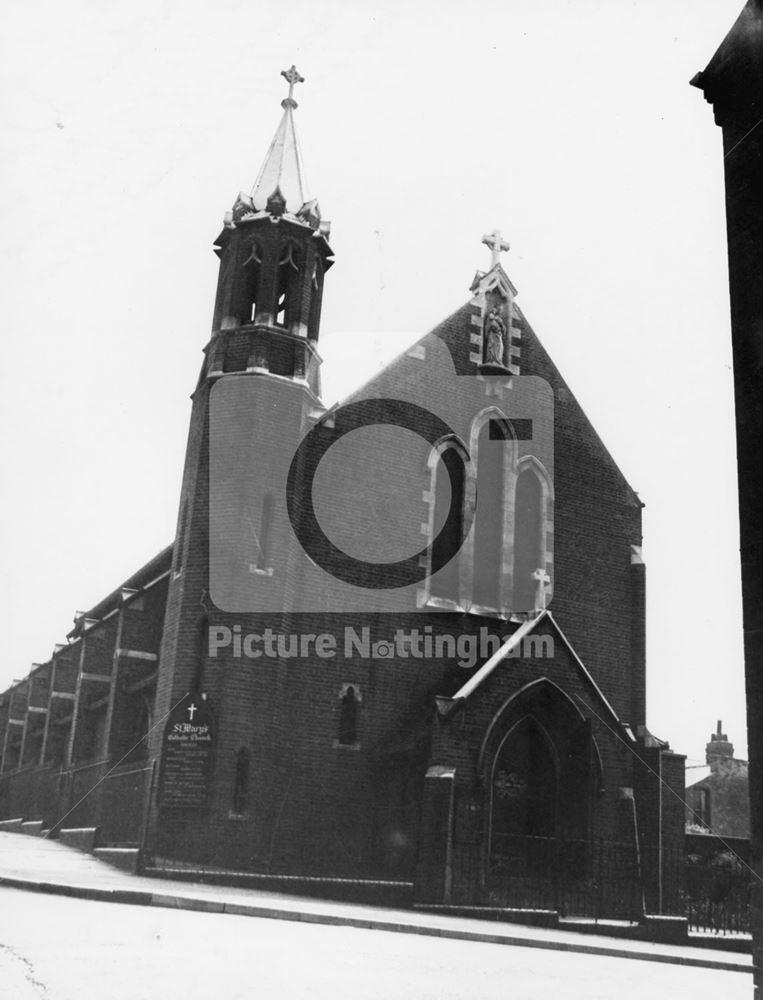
x: 627, y: 794
x: 659, y: 833
x: 143, y: 856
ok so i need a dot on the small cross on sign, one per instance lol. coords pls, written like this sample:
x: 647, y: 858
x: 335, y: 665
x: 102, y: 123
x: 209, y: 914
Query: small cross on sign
x: 542, y: 578
x: 496, y: 244
x: 192, y: 709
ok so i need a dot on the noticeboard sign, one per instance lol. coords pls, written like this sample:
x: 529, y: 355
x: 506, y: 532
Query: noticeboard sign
x: 187, y: 750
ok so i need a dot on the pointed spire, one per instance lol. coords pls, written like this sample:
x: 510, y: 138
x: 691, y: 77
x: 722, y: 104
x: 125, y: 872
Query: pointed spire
x: 282, y: 169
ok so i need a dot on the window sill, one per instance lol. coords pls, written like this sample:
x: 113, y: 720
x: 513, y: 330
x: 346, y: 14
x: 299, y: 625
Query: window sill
x: 235, y: 817
x: 486, y: 612
x: 479, y: 610
x: 260, y: 572
x: 346, y: 746
x: 444, y: 604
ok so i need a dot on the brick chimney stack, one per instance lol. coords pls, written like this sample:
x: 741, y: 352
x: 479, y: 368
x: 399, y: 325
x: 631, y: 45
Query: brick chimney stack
x: 718, y: 748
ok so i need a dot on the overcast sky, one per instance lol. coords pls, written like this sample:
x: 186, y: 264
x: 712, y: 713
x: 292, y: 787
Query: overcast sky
x: 127, y: 130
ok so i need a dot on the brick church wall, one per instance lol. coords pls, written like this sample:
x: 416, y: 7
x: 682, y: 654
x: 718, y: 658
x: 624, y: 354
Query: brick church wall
x: 312, y: 805
x: 285, y: 712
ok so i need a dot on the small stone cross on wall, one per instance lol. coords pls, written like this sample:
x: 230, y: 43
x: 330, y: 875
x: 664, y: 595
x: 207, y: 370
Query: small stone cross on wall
x: 542, y: 579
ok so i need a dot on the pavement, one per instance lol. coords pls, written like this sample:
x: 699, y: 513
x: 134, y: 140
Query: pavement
x: 41, y: 865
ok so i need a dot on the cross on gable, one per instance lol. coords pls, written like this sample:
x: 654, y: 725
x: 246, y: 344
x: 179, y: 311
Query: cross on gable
x: 542, y: 579
x: 496, y: 244
x: 192, y: 709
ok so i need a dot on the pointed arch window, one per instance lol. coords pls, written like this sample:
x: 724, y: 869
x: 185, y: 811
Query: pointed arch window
x: 448, y: 491
x: 316, y: 292
x: 179, y: 553
x: 532, y: 538
x: 202, y: 647
x: 528, y: 547
x: 264, y: 536
x: 250, y: 285
x: 349, y: 716
x: 241, y: 782
x: 286, y: 275
x: 490, y: 517
x: 245, y: 290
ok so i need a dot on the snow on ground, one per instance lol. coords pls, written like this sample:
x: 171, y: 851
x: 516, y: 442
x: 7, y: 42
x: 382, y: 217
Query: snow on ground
x: 56, y: 948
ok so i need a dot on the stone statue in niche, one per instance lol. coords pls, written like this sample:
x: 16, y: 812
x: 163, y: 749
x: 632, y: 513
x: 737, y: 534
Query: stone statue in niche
x: 495, y: 334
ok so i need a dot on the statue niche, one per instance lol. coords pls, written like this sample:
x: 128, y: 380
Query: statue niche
x: 495, y: 338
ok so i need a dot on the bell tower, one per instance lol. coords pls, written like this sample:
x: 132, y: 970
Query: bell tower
x: 274, y: 254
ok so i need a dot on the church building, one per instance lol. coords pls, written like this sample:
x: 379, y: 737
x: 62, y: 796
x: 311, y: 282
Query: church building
x: 397, y: 642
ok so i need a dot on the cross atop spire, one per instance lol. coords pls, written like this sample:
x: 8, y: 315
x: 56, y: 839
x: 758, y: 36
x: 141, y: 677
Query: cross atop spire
x: 496, y: 244
x: 292, y: 77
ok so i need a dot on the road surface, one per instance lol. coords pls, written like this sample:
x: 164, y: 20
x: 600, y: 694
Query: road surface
x: 55, y: 948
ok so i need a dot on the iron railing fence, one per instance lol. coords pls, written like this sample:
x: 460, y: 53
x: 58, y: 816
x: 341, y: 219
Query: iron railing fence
x: 30, y: 794
x: 587, y: 878
x: 717, y: 893
x: 595, y: 879
x: 600, y: 879
x: 87, y: 795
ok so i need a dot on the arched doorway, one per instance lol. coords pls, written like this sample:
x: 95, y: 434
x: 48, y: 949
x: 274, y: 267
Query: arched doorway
x: 523, y: 817
x: 539, y: 783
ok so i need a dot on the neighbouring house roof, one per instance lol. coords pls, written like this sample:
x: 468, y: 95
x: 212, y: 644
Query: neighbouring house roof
x: 698, y: 775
